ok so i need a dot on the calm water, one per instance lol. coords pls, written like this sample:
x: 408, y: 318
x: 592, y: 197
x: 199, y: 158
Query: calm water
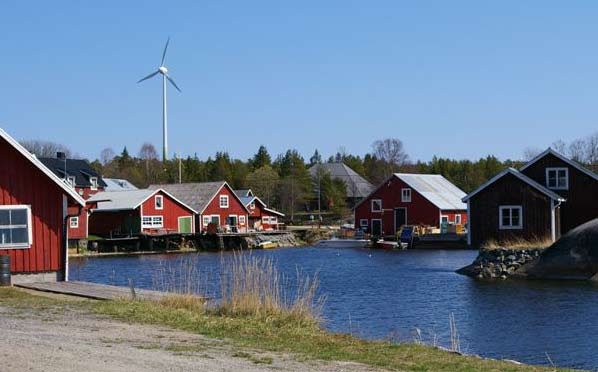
x: 379, y: 294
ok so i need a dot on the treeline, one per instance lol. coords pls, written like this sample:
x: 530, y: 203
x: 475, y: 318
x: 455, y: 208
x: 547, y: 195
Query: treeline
x: 284, y: 181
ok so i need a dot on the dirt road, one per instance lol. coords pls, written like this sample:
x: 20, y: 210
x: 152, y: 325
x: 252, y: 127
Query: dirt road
x: 72, y: 340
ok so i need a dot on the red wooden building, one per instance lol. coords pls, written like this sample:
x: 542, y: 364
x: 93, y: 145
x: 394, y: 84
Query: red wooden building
x: 214, y: 202
x: 547, y: 197
x: 410, y: 199
x: 131, y: 212
x: 35, y: 205
x: 260, y: 216
x: 85, y: 180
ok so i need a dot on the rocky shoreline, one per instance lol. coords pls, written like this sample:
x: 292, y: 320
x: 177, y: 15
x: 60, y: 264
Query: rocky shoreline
x: 499, y: 263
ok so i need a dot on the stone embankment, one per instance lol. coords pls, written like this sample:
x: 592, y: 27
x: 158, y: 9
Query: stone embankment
x: 499, y: 263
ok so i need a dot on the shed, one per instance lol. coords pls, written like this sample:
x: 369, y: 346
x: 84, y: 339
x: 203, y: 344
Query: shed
x: 511, y: 206
x: 260, y: 216
x: 139, y: 211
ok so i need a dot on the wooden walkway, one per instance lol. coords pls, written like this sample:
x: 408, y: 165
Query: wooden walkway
x: 92, y: 290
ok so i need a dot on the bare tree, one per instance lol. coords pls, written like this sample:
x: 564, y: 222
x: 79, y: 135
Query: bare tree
x: 531, y: 152
x: 591, y: 149
x: 45, y: 149
x: 107, y: 155
x: 577, y: 150
x: 148, y: 152
x: 559, y: 146
x: 392, y: 152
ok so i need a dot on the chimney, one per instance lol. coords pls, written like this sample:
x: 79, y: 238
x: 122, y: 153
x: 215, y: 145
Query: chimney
x: 60, y: 155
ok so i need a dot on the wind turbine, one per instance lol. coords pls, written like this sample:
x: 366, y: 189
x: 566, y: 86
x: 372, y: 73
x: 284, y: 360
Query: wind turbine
x: 164, y: 71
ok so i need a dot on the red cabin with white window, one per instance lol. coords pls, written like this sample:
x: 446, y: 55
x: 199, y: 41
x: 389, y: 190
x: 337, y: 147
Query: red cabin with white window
x: 215, y: 202
x: 34, y: 207
x: 410, y: 199
x: 125, y: 213
x: 260, y: 216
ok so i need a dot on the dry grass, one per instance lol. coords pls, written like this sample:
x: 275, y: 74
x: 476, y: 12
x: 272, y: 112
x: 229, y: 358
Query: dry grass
x: 521, y: 244
x: 252, y: 286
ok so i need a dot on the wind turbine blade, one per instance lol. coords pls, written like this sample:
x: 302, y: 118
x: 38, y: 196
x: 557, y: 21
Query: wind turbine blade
x: 173, y: 83
x: 148, y: 76
x: 164, y: 53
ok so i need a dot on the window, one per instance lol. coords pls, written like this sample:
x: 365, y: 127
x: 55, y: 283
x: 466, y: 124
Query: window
x: 363, y: 223
x: 15, y: 226
x: 273, y: 220
x: 458, y: 219
x: 158, y: 201
x: 376, y: 205
x: 252, y: 205
x: 444, y: 219
x: 206, y: 220
x: 510, y: 217
x: 74, y: 222
x: 152, y: 222
x: 71, y: 181
x: 265, y: 219
x: 557, y: 178
x: 215, y: 220
x: 223, y: 201
x: 242, y: 220
x: 406, y: 195
x: 94, y: 183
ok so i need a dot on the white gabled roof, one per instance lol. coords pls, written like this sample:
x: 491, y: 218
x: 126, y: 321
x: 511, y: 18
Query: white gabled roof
x: 437, y: 189
x: 523, y: 178
x: 126, y: 199
x: 572, y: 163
x: 33, y: 159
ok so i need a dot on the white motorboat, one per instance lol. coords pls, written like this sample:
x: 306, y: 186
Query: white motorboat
x: 342, y: 243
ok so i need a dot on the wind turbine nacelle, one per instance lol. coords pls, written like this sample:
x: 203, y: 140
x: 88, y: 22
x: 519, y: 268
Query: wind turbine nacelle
x: 163, y: 69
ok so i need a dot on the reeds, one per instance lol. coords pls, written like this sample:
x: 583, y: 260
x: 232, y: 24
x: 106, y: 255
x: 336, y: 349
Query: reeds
x: 252, y: 286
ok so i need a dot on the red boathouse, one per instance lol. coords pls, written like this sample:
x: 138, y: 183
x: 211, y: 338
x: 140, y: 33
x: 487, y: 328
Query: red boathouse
x: 35, y: 205
x: 410, y: 199
x: 117, y: 213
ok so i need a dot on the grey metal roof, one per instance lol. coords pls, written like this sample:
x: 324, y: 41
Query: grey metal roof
x: 244, y: 193
x: 120, y: 200
x: 246, y: 199
x: 357, y: 186
x: 195, y: 195
x: 437, y: 189
x: 118, y: 184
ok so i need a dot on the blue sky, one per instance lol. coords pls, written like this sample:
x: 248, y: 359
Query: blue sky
x: 456, y: 79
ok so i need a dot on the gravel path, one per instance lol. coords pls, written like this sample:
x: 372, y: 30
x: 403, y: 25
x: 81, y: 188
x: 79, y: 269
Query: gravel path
x: 72, y: 340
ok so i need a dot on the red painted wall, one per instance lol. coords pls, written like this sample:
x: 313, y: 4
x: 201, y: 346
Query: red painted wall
x: 419, y: 210
x: 256, y: 215
x: 170, y: 213
x: 21, y: 182
x: 235, y: 207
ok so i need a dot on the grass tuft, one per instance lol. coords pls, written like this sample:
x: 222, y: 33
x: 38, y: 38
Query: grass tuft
x: 519, y: 244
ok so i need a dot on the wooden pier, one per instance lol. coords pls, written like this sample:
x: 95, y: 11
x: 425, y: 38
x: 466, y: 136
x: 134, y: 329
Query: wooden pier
x: 94, y: 291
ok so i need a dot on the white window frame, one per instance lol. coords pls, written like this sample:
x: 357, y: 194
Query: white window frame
x: 265, y: 220
x: 458, y: 219
x: 161, y: 198
x: 154, y: 222
x: 94, y: 183
x: 557, y: 170
x: 242, y: 220
x: 252, y: 205
x: 501, y: 210
x: 221, y: 198
x: 404, y: 197
x: 72, y: 181
x: 215, y: 216
x: 363, y: 222
x: 206, y: 220
x: 28, y: 226
x: 74, y: 222
x: 445, y: 216
x: 273, y: 220
x: 372, y: 205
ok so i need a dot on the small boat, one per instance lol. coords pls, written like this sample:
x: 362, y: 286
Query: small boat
x: 383, y: 244
x: 342, y: 243
x: 268, y: 245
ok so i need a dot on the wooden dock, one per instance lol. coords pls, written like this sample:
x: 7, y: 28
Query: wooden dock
x: 93, y: 291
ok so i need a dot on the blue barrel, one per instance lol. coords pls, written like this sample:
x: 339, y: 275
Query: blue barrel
x: 4, y: 270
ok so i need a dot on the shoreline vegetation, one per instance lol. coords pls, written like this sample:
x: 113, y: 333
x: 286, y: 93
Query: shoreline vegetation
x: 263, y: 310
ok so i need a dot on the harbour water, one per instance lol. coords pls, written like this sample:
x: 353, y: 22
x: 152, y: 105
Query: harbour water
x: 390, y: 294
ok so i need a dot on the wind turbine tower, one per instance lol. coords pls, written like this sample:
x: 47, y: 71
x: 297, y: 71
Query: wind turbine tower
x: 164, y: 71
